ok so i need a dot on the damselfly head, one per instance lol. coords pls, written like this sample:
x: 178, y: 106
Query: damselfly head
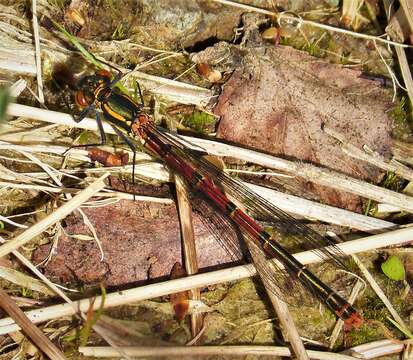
x: 104, y: 74
x: 92, y: 82
x: 88, y: 85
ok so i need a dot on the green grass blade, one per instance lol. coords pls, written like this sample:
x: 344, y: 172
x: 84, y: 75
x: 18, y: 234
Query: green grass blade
x: 5, y: 99
x: 73, y: 39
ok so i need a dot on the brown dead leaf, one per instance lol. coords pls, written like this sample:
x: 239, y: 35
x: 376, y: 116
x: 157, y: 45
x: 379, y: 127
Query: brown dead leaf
x: 278, y: 99
x: 132, y: 233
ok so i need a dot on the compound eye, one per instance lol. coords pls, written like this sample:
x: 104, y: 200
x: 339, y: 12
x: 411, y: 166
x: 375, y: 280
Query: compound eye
x: 104, y: 73
x: 81, y: 99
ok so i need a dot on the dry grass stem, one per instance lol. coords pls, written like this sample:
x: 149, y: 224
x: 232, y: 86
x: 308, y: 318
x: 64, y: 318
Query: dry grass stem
x: 54, y: 117
x: 11, y: 222
x: 408, y: 10
x: 37, y: 52
x: 398, y: 26
x: 401, y: 54
x: 7, y: 325
x: 288, y: 327
x: 292, y: 204
x: 129, y: 44
x: 369, y: 156
x: 56, y: 290
x: 32, y: 331
x: 309, y: 172
x: 115, y: 195
x: 313, y: 210
x: 379, y: 292
x: 21, y: 61
x: 403, y: 152
x: 23, y: 280
x: 360, y: 285
x: 351, y: 16
x: 200, y: 351
x: 188, y: 245
x: 54, y: 217
x: 174, y: 90
x: 376, y: 349
x: 39, y: 274
x: 299, y: 21
x: 259, y: 173
x: 17, y: 88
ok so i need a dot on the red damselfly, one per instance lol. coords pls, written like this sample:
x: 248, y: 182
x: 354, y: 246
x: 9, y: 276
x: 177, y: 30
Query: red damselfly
x: 220, y: 192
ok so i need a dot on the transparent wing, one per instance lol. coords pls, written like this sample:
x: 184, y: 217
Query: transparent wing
x: 287, y: 227
x: 276, y: 280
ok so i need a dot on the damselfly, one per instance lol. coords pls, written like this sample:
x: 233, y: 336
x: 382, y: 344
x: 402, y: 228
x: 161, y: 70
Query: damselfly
x: 222, y: 193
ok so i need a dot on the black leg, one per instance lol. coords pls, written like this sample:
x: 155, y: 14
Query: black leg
x: 124, y: 138
x: 85, y: 112
x: 132, y: 146
x: 133, y: 174
x: 117, y: 78
x: 140, y: 95
x: 101, y: 133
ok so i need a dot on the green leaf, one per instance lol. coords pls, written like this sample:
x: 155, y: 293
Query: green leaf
x: 393, y: 268
x: 4, y: 101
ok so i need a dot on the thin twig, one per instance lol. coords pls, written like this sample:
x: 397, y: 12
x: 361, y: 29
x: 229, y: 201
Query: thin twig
x: 288, y: 327
x: 401, y: 56
x: 369, y: 156
x: 11, y: 222
x: 31, y: 330
x: 403, y: 152
x: 339, y: 324
x: 300, y: 21
x: 57, y: 215
x: 37, y: 52
x: 397, y: 237
x: 198, y: 351
x: 188, y: 245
